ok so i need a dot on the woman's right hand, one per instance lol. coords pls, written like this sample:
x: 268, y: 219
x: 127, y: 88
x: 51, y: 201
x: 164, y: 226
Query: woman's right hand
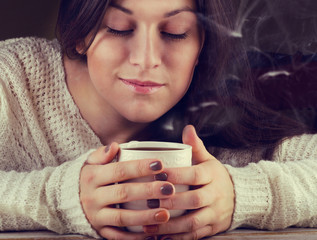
x: 99, y: 194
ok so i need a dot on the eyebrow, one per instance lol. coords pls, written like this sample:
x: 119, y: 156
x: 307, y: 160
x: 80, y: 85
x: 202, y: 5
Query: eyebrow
x: 166, y: 15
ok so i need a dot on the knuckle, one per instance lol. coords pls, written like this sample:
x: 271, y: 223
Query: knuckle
x: 177, y: 176
x: 96, y: 220
x: 167, y: 203
x: 197, y: 200
x: 86, y: 200
x: 215, y: 229
x: 122, y: 192
x: 87, y: 175
x: 119, y: 171
x: 197, y: 176
x: 174, y: 175
x: 118, y: 219
x: 193, y: 223
x: 139, y: 168
x: 170, y: 203
x: 148, y: 189
x: 194, y: 235
x: 218, y: 197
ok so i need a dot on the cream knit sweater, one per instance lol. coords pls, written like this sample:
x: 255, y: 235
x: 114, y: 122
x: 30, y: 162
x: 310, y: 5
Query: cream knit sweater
x: 44, y: 142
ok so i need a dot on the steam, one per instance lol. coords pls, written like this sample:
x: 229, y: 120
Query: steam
x: 274, y: 74
x: 282, y: 34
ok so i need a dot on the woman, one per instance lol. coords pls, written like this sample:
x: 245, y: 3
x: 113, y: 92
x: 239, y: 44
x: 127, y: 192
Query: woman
x: 131, y: 69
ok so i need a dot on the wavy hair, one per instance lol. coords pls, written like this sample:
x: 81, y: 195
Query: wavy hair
x: 220, y: 102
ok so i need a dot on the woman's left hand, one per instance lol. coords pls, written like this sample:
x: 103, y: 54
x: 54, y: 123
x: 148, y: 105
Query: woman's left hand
x: 211, y: 202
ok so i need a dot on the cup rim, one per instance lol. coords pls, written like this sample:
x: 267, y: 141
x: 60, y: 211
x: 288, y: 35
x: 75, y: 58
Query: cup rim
x: 174, y: 146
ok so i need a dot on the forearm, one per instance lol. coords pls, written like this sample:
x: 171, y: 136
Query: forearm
x: 45, y: 199
x: 274, y: 195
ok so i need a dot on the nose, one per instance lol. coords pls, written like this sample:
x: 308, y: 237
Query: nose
x: 145, y: 49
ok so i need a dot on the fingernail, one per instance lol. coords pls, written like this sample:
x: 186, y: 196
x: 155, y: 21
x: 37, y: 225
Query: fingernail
x: 150, y: 228
x: 167, y: 189
x: 155, y: 166
x: 161, y: 216
x: 153, y: 203
x: 107, y: 148
x: 161, y: 176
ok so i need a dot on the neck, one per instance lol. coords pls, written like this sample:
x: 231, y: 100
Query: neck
x: 107, y: 124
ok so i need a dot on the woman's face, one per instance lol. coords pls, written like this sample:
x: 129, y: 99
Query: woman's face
x: 142, y: 60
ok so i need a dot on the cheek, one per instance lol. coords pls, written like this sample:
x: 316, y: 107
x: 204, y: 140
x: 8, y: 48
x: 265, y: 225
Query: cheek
x: 182, y: 61
x: 105, y: 56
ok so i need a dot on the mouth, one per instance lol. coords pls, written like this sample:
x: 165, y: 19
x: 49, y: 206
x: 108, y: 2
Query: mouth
x: 142, y: 87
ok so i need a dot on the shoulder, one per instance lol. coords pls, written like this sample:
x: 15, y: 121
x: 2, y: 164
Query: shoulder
x: 31, y: 71
x: 296, y: 148
x: 26, y: 61
x: 27, y: 51
x: 25, y: 46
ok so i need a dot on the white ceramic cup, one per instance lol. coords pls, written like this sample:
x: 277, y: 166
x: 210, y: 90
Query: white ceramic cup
x: 171, y: 154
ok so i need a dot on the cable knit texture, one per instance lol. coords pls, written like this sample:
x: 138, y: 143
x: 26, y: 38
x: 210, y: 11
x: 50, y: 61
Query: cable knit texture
x: 279, y: 193
x: 44, y: 143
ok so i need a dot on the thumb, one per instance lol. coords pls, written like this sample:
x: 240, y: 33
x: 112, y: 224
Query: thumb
x: 200, y: 153
x: 103, y: 155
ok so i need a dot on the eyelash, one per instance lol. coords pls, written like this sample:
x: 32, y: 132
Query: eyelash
x: 167, y: 35
x: 119, y: 33
x: 174, y: 36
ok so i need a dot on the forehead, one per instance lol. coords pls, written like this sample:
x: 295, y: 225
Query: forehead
x: 154, y: 8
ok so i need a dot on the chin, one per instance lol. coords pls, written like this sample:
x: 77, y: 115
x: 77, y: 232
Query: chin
x: 143, y: 118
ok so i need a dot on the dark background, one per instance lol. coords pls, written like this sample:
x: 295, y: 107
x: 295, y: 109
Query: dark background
x: 20, y: 18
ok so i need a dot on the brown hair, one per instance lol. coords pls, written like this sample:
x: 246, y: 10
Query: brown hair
x: 220, y: 102
x: 77, y: 19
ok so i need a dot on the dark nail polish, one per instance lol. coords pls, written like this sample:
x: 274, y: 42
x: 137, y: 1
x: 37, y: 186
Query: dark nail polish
x: 107, y: 148
x: 167, y: 189
x: 155, y: 166
x: 153, y: 203
x: 161, y: 176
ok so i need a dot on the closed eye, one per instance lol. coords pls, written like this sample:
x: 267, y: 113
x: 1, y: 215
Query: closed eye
x: 120, y: 33
x: 172, y: 36
x: 123, y: 33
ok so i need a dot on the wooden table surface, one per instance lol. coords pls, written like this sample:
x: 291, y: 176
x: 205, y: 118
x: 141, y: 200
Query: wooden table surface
x: 289, y: 234
x: 241, y: 234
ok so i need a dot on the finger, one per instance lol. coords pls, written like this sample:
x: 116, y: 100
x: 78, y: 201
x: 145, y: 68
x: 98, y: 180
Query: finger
x: 200, y: 233
x: 127, y: 192
x: 186, y: 223
x: 103, y: 155
x: 194, y: 199
x: 126, y: 218
x: 118, y: 233
x: 196, y: 175
x: 200, y: 154
x: 123, y: 171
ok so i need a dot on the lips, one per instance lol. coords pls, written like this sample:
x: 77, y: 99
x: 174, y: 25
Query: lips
x: 142, y: 87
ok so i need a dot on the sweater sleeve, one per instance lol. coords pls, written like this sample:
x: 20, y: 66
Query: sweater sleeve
x: 44, y: 199
x: 280, y: 193
x: 37, y: 191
